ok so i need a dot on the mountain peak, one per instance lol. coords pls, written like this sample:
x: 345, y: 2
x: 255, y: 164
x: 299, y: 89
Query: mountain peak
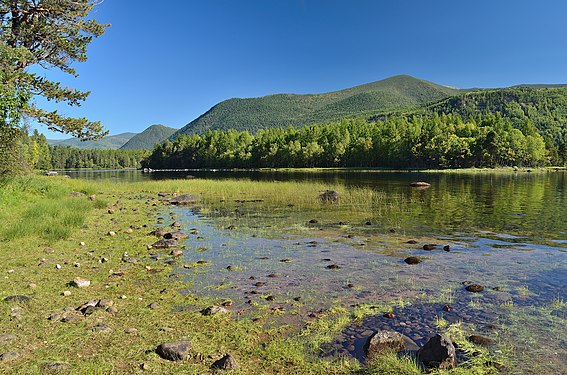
x: 399, y: 92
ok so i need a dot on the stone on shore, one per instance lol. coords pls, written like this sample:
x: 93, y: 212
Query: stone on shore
x: 382, y: 342
x: 438, y: 352
x: 225, y: 363
x: 174, y: 351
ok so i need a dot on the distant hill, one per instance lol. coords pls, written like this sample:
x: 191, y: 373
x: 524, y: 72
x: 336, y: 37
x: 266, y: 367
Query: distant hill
x: 112, y: 142
x: 282, y: 110
x: 541, y: 85
x: 147, y: 139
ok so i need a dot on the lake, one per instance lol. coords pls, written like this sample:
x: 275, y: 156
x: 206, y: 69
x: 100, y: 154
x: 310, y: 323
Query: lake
x: 505, y: 231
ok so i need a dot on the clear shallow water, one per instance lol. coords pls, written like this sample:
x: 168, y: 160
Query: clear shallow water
x: 506, y: 231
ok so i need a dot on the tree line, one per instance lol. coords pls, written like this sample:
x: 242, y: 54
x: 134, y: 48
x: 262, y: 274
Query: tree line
x: 417, y: 141
x: 35, y: 153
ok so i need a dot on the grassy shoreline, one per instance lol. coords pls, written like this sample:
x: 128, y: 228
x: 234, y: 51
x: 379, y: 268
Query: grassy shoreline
x: 54, y: 226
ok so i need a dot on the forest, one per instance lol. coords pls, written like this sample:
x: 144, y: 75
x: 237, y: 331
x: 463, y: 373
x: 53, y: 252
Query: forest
x: 35, y: 153
x: 417, y: 141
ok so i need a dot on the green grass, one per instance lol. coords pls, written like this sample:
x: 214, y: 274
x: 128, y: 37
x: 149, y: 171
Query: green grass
x: 51, y: 217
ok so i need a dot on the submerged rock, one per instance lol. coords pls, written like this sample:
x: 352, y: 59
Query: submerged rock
x: 225, y: 363
x: 382, y: 342
x: 174, y: 351
x: 439, y: 352
x: 475, y: 288
x: 412, y: 260
x: 333, y: 267
x: 185, y: 199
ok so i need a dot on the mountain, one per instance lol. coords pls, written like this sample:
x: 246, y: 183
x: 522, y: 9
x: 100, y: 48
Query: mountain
x: 112, y: 142
x: 147, y: 139
x: 282, y: 110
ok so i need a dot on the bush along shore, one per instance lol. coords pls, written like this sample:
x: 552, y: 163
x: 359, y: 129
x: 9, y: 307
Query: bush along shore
x: 91, y: 285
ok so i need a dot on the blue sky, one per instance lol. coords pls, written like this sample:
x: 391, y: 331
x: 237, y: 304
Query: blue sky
x: 169, y: 61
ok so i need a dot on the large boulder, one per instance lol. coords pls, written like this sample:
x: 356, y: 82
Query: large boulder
x: 185, y: 199
x: 329, y: 196
x: 438, y: 352
x: 383, y: 342
x: 174, y: 351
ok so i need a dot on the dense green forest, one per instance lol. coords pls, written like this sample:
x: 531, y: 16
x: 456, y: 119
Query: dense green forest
x: 35, y: 153
x: 424, y: 141
x: 544, y: 108
x: 276, y: 111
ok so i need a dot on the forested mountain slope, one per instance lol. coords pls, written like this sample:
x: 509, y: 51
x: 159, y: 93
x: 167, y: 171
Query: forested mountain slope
x: 282, y: 110
x: 147, y: 139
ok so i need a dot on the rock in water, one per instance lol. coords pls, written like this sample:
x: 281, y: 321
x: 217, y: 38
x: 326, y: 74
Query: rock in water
x: 475, y: 288
x: 225, y: 363
x: 329, y: 196
x: 420, y: 184
x: 412, y: 260
x: 174, y: 351
x: 382, y: 342
x: 438, y: 352
x: 185, y: 199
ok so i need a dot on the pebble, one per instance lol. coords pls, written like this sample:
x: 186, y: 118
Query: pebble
x: 66, y: 293
x: 79, y: 282
x: 58, y: 266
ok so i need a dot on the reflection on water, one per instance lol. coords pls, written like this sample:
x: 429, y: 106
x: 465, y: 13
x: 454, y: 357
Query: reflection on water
x: 506, y: 231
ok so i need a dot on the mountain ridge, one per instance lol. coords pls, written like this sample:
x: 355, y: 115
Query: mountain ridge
x: 111, y: 142
x: 282, y: 110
